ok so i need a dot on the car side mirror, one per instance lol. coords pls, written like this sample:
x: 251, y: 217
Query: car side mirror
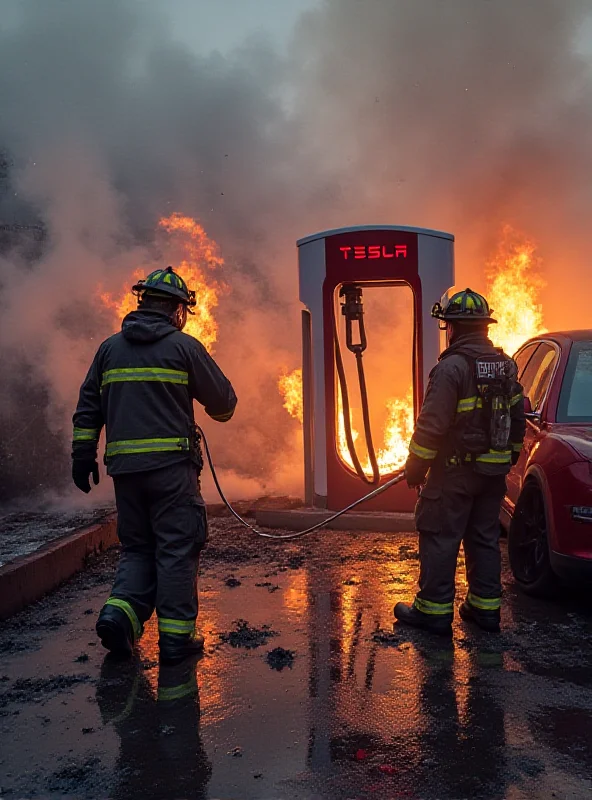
x: 531, y: 415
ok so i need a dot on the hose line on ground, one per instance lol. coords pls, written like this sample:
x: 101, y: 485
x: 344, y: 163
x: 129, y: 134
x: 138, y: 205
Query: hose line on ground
x: 391, y: 482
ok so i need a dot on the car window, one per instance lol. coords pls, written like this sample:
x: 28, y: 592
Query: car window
x: 537, y: 374
x: 523, y: 356
x: 542, y: 380
x: 575, y: 402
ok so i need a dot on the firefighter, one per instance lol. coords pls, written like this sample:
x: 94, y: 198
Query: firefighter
x: 141, y: 386
x: 467, y: 436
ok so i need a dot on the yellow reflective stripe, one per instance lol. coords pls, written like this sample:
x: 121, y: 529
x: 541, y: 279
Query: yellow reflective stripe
x: 484, y: 603
x: 469, y: 404
x: 499, y: 403
x: 422, y: 452
x: 167, y: 693
x: 222, y: 417
x: 428, y: 607
x: 517, y: 447
x: 495, y: 457
x: 145, y: 374
x: 178, y: 626
x: 516, y: 399
x: 168, y: 278
x: 129, y: 611
x: 128, y: 446
x: 85, y: 434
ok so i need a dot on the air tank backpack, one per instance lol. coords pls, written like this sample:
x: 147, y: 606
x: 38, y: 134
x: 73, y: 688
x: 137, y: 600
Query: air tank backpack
x: 488, y: 424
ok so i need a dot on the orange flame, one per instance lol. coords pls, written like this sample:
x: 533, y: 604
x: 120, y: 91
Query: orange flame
x: 397, y: 431
x: 290, y: 386
x: 199, y: 252
x: 514, y: 284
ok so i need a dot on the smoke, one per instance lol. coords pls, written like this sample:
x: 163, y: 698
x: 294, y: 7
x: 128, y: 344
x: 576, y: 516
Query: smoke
x: 458, y: 115
x: 462, y: 115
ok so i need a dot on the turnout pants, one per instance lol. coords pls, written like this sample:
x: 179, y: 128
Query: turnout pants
x: 459, y: 506
x: 162, y: 528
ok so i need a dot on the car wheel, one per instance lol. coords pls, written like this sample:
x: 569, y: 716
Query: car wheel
x: 528, y: 544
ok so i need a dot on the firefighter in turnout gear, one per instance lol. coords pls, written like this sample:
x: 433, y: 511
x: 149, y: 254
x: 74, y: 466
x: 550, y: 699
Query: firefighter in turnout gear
x: 467, y: 436
x: 141, y: 386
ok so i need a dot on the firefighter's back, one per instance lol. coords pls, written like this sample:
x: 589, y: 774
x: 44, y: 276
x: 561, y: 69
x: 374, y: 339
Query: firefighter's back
x: 145, y: 397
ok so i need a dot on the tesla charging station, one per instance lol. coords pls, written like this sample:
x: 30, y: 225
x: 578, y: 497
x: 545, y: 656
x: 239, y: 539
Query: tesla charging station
x: 335, y: 269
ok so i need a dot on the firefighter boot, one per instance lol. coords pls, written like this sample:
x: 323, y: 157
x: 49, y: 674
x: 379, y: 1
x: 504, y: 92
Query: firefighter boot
x: 174, y: 647
x: 486, y: 619
x: 440, y: 624
x: 115, y: 631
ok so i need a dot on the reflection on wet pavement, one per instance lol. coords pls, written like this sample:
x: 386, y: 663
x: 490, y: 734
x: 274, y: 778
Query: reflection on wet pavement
x: 353, y: 715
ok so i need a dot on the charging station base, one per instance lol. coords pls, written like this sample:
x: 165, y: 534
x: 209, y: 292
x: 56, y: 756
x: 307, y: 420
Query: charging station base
x: 298, y: 519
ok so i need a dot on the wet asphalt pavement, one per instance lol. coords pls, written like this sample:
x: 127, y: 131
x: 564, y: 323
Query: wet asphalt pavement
x: 304, y: 690
x: 23, y: 532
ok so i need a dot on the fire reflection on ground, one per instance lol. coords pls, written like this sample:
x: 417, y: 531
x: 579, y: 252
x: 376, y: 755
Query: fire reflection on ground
x: 355, y: 715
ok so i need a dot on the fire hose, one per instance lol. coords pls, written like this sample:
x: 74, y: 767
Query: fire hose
x: 397, y: 478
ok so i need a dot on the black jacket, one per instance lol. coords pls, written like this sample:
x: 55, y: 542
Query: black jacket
x: 450, y: 397
x: 141, y: 386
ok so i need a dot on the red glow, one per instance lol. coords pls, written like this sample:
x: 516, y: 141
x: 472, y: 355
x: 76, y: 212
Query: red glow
x: 375, y: 251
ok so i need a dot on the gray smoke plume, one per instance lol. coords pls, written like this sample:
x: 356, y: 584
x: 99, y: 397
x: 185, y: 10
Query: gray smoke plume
x: 453, y: 114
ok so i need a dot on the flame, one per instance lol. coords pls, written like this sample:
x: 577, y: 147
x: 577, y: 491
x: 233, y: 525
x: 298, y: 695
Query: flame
x: 290, y: 386
x: 199, y: 253
x: 397, y: 432
x: 514, y: 284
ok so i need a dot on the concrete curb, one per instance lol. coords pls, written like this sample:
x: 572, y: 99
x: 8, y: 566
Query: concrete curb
x: 28, y: 578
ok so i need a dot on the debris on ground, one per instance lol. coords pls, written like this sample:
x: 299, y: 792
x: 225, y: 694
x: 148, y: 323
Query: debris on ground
x: 74, y: 776
x: 295, y: 562
x: 232, y: 582
x: 271, y: 587
x: 408, y: 552
x: 26, y: 689
x: 279, y: 657
x: 236, y: 752
x: 387, y: 638
x: 244, y: 635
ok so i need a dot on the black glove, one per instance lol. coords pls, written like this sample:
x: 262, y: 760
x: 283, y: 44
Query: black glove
x: 416, y: 470
x: 515, y: 457
x: 82, y: 469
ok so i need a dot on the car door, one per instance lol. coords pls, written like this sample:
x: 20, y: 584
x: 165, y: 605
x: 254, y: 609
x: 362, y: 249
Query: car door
x: 536, y: 379
x: 514, y: 480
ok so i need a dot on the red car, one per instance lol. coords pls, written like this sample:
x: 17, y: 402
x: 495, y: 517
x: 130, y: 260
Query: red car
x: 547, y: 510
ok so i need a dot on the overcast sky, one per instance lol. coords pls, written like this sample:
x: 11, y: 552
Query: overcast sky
x: 222, y: 24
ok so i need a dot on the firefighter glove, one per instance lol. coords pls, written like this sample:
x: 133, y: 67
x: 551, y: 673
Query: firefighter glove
x: 416, y: 470
x: 82, y: 469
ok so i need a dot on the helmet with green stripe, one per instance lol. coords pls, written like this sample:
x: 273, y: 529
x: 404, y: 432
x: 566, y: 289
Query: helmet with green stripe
x: 165, y: 282
x: 465, y: 307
